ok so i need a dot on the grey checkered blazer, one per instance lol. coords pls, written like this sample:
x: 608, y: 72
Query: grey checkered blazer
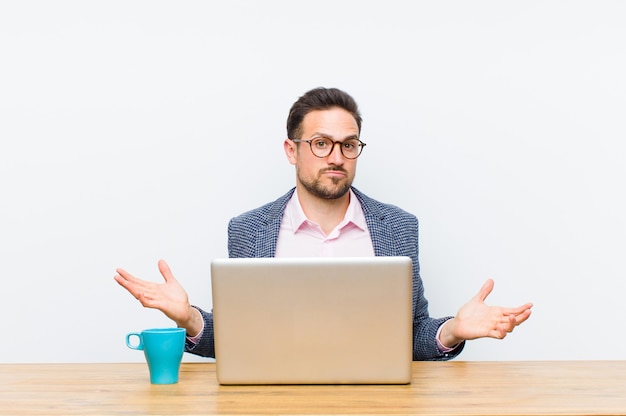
x: 394, y: 232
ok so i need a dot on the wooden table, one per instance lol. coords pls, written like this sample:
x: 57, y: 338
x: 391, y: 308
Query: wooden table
x: 437, y: 388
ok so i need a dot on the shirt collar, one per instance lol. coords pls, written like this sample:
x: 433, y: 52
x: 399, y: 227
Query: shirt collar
x: 354, y: 214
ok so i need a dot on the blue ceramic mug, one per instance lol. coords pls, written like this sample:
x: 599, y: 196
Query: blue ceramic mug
x: 163, y: 348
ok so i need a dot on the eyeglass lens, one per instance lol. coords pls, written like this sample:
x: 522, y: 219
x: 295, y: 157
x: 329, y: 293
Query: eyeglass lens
x: 323, y: 147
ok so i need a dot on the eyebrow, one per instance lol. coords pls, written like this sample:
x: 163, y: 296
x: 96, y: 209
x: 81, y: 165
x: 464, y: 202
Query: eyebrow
x: 328, y: 136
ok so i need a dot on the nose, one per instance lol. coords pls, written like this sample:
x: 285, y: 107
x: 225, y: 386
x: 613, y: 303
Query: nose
x: 336, y: 157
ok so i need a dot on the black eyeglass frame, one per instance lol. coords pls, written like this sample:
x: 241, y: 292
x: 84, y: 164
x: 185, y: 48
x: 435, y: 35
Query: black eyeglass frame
x: 360, y: 144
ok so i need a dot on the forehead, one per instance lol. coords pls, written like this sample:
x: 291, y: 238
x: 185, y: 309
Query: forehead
x: 334, y: 122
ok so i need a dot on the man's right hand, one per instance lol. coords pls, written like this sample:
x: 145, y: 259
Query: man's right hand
x: 169, y: 297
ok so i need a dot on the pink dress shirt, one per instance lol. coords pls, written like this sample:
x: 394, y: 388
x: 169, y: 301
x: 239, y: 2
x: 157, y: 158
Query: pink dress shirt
x: 300, y: 237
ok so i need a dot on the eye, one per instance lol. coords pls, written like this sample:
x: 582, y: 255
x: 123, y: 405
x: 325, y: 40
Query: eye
x: 350, y: 144
x: 321, y: 143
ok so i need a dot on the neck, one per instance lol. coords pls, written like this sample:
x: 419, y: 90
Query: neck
x: 328, y: 213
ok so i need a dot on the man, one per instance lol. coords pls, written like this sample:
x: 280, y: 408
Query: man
x: 325, y: 216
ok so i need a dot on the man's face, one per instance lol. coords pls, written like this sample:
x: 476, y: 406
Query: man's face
x: 329, y: 177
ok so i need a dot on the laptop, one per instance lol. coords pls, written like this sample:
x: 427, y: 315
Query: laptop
x: 315, y: 320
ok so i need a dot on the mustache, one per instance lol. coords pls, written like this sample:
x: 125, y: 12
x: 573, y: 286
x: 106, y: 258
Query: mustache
x: 334, y: 169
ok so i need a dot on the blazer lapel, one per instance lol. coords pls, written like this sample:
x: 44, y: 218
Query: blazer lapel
x: 267, y: 234
x: 380, y: 230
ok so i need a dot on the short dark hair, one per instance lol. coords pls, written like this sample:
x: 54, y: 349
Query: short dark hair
x: 319, y: 99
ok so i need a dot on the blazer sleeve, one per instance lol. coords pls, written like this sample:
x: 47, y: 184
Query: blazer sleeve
x: 205, y: 347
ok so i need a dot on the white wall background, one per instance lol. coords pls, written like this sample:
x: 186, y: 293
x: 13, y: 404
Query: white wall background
x: 133, y: 130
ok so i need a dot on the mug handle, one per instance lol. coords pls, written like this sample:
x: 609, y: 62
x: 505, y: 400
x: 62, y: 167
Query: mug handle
x: 139, y: 346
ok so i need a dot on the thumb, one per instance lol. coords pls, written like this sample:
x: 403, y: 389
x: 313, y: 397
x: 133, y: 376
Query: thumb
x: 166, y: 272
x: 485, y: 290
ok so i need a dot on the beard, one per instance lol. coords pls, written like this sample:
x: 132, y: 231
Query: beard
x: 336, y: 189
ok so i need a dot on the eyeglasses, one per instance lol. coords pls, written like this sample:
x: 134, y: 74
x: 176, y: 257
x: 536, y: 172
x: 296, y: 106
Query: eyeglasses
x: 323, y: 147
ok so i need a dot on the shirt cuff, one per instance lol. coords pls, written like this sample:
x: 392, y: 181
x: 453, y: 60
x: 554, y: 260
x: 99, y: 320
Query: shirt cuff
x: 442, y: 348
x: 194, y: 340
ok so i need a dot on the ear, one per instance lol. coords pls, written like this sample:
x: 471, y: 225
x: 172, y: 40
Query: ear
x: 290, y: 151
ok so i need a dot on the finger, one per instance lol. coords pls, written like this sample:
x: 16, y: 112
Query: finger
x: 511, y: 324
x: 132, y: 287
x: 148, y: 298
x: 521, y: 318
x: 518, y: 310
x: 119, y: 279
x: 144, y: 293
x: 165, y: 271
x: 485, y: 290
x: 499, y: 332
x: 125, y: 275
x: 518, y: 318
x: 504, y: 327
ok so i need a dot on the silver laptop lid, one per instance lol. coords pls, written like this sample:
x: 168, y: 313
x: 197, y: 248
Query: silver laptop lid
x: 313, y: 320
